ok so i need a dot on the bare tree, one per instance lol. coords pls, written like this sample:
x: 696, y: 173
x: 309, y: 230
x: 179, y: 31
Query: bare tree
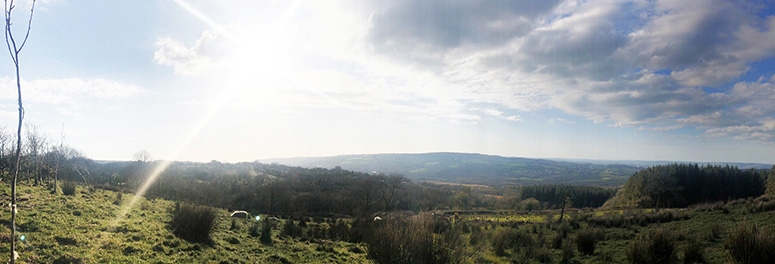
x: 14, y: 50
x: 5, y: 150
x: 389, y: 186
x: 142, y: 156
x: 36, y: 146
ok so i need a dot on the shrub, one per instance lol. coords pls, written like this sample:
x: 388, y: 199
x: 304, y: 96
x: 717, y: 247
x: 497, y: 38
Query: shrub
x: 119, y: 198
x: 339, y: 231
x: 512, y: 239
x: 402, y: 240
x: 657, y: 247
x: 714, y: 233
x: 68, y: 188
x: 477, y: 236
x: 253, y: 231
x: 193, y: 222
x: 557, y: 242
x: 586, y: 240
x: 234, y: 224
x: 693, y: 253
x: 266, y: 232
x: 567, y: 252
x: 746, y: 244
x: 544, y: 255
x: 290, y: 229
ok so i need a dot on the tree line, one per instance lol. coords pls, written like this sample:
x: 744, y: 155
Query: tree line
x: 681, y: 185
x: 579, y: 196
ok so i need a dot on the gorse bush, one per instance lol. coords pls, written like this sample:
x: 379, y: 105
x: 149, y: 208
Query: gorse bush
x: 68, y: 188
x: 193, y: 222
x: 656, y: 247
x: 749, y: 244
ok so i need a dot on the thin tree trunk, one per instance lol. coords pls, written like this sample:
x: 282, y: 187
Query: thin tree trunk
x: 14, y: 52
x: 18, y: 162
x: 56, y: 178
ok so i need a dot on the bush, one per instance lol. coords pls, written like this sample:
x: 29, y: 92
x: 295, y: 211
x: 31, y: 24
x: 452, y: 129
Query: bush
x: 266, y: 232
x: 477, y: 236
x: 254, y: 230
x: 402, y: 240
x: 339, y: 231
x: 234, y: 224
x: 193, y: 222
x: 512, y: 239
x: 119, y: 198
x: 586, y: 240
x: 693, y: 253
x: 544, y: 255
x: 746, y: 244
x: 68, y: 188
x: 567, y: 252
x: 290, y: 229
x: 657, y: 247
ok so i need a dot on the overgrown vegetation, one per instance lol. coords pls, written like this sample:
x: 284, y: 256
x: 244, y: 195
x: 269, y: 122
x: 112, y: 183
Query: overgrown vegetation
x: 68, y: 188
x: 193, y: 222
x: 412, y: 240
x: 586, y: 240
x: 750, y: 244
x: 656, y: 247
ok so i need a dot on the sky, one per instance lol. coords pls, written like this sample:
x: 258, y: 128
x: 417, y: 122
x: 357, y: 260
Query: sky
x: 240, y: 80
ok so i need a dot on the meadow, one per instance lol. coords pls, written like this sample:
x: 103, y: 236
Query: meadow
x: 82, y: 228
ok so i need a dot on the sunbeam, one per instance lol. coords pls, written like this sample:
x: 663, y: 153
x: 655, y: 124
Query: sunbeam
x: 206, y: 118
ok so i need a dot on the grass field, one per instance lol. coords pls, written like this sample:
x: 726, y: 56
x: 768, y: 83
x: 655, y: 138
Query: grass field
x: 78, y: 229
x: 81, y: 228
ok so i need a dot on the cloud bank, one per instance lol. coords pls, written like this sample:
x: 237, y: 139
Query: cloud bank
x: 657, y: 65
x: 654, y: 65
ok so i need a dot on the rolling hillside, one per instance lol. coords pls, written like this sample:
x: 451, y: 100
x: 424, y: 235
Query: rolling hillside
x: 474, y: 168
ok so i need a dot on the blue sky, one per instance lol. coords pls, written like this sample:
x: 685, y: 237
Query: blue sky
x: 244, y: 80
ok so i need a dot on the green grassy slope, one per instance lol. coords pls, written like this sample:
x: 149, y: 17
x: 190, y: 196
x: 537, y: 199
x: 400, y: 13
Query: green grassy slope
x: 78, y: 229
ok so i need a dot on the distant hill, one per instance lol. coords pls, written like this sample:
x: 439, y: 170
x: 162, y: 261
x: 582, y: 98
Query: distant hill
x: 648, y: 163
x: 474, y: 168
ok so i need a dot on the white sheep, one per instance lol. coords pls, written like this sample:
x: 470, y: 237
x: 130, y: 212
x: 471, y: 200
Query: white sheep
x: 377, y: 218
x: 239, y: 214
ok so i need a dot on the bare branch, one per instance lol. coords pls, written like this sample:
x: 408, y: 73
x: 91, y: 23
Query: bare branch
x: 29, y: 26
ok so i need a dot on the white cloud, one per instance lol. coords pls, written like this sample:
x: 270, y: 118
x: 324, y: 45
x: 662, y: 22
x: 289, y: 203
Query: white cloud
x: 202, y: 55
x: 68, y: 95
x: 497, y: 113
x: 632, y: 63
x: 561, y: 120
